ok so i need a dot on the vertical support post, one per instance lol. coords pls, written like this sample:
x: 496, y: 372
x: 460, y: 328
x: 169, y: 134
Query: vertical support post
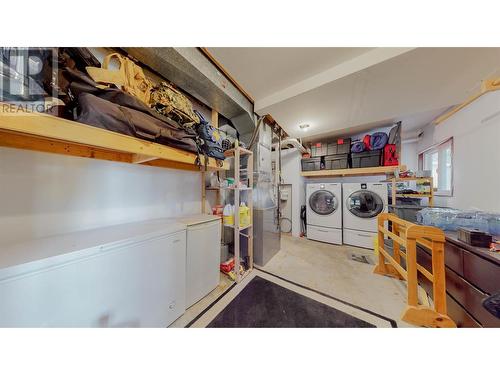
x: 411, y: 271
x: 381, y: 260
x: 395, y: 245
x: 431, y: 196
x: 203, y: 191
x: 237, y: 214
x: 250, y: 208
x: 439, y: 282
x: 215, y: 118
x: 393, y: 191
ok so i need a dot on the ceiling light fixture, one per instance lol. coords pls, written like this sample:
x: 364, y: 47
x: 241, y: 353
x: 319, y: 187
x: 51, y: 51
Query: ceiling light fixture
x: 304, y: 127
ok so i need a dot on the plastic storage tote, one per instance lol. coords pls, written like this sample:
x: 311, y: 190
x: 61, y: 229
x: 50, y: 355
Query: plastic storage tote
x: 340, y: 146
x: 366, y: 159
x: 319, y: 149
x: 337, y: 161
x: 311, y: 164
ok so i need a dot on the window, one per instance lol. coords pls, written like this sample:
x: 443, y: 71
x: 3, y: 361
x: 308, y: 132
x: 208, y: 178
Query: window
x: 439, y: 160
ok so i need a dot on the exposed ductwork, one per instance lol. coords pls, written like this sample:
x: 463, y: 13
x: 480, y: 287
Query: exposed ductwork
x: 191, y: 70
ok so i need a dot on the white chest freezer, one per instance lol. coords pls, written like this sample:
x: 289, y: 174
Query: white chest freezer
x: 130, y: 275
x: 202, y: 256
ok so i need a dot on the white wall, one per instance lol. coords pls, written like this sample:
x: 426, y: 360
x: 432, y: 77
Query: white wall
x: 43, y: 194
x: 476, y: 157
x: 290, y: 172
x: 409, y: 155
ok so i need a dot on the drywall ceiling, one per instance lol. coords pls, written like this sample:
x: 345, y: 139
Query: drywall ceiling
x: 346, y: 90
x: 263, y: 71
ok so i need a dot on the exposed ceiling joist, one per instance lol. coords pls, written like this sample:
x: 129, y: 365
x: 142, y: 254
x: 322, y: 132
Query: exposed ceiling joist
x: 370, y: 58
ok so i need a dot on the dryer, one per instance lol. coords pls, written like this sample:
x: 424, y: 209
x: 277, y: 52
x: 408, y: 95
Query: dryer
x: 362, y: 203
x: 324, y: 212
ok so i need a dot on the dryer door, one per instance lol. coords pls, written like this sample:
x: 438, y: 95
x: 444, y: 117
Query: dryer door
x: 365, y: 204
x: 323, y: 202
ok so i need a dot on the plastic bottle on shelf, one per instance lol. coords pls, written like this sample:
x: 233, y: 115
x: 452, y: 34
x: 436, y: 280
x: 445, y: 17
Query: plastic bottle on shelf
x: 228, y: 214
x: 244, y: 215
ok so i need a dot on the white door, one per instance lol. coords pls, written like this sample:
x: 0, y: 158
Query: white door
x: 203, y: 260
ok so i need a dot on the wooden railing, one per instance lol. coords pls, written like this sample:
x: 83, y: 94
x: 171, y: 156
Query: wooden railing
x: 405, y: 236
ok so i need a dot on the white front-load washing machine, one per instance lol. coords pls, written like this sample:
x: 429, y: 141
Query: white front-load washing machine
x: 362, y: 203
x: 324, y: 212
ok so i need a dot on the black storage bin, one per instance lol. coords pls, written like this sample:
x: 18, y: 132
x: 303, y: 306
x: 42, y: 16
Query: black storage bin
x: 319, y: 149
x: 335, y: 148
x: 311, y: 164
x: 367, y: 159
x: 337, y: 161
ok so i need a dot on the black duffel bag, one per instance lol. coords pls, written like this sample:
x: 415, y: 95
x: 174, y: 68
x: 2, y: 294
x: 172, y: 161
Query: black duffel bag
x: 99, y: 112
x: 210, y: 138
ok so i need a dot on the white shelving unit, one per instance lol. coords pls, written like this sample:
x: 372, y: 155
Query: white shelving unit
x: 246, y: 231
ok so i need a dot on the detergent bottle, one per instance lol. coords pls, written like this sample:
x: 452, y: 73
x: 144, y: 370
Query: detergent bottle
x: 244, y: 215
x: 228, y: 215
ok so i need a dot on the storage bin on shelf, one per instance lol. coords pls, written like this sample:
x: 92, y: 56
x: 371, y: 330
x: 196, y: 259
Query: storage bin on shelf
x: 311, y: 164
x: 366, y: 159
x: 319, y: 149
x: 341, y: 161
x: 339, y: 147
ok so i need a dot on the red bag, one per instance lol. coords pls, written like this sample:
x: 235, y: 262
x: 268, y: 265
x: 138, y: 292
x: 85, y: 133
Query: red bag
x: 367, y: 141
x: 390, y: 155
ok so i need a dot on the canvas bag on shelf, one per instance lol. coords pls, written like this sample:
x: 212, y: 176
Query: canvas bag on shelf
x: 170, y: 102
x: 129, y: 77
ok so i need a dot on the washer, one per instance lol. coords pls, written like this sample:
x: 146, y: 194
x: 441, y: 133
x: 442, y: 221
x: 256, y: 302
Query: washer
x: 362, y: 203
x: 324, y: 212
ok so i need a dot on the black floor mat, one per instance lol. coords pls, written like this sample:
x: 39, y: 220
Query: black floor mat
x: 263, y: 303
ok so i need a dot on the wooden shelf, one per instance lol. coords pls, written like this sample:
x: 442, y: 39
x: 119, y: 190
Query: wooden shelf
x: 241, y: 228
x: 234, y: 188
x: 395, y: 194
x: 405, y: 179
x: 424, y: 195
x: 46, y: 133
x: 352, y: 171
x: 243, y: 151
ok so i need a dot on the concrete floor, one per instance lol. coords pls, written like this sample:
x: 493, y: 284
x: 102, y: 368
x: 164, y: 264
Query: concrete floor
x: 327, y: 269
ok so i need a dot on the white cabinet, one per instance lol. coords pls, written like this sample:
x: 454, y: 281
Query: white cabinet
x: 131, y: 275
x: 203, y: 256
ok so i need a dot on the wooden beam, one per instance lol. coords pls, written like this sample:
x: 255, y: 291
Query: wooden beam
x: 141, y: 159
x: 353, y: 171
x: 486, y: 86
x: 203, y: 192
x: 215, y: 118
x: 27, y: 142
x: 63, y: 131
x: 172, y: 165
x: 226, y: 74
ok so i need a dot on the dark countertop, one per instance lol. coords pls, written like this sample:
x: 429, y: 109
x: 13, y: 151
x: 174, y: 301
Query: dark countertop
x: 480, y: 251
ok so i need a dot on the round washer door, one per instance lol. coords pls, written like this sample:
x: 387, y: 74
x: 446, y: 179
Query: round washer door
x: 365, y: 204
x: 323, y: 202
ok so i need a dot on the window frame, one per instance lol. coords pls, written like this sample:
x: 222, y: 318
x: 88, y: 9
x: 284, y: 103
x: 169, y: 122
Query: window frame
x: 437, y: 147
